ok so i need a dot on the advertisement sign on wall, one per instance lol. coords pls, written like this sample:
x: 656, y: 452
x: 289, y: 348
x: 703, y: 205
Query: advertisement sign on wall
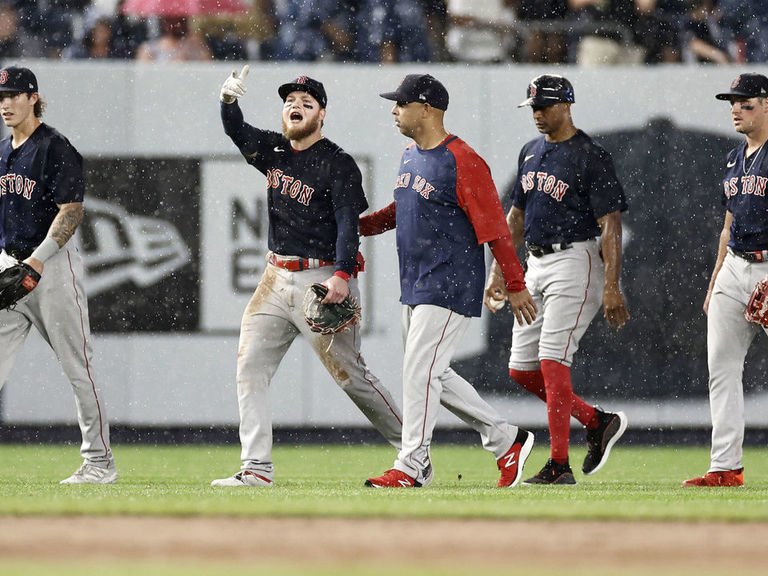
x: 140, y: 244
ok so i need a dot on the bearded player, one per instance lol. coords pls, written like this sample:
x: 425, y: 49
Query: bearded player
x: 314, y: 197
x: 566, y: 195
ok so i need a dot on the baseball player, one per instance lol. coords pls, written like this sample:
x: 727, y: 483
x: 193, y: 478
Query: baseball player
x: 742, y: 260
x: 566, y: 195
x: 315, y: 197
x: 446, y: 207
x: 41, y: 206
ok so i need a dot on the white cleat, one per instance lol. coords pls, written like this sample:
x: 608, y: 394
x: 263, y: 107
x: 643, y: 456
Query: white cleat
x: 244, y: 478
x: 92, y: 474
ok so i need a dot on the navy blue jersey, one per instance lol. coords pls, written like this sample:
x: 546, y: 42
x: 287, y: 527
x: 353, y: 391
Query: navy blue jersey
x: 564, y: 188
x: 744, y: 186
x: 34, y: 178
x: 305, y: 189
x: 447, y: 206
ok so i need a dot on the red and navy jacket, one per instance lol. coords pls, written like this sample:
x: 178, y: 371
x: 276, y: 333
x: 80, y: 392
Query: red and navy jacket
x: 447, y: 207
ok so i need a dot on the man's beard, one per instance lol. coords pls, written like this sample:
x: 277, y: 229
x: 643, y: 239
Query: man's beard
x: 300, y: 132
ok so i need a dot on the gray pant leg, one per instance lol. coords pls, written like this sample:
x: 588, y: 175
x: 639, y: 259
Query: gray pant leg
x: 266, y: 333
x: 272, y: 320
x: 264, y: 340
x: 14, y: 329
x: 58, y: 308
x: 461, y: 398
x: 432, y: 334
x: 568, y: 290
x: 340, y: 354
x: 729, y: 337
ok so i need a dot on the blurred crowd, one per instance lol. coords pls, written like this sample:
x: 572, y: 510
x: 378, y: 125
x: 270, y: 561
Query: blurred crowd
x: 584, y: 32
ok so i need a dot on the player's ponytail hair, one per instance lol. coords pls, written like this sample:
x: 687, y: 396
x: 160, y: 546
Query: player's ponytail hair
x: 39, y: 108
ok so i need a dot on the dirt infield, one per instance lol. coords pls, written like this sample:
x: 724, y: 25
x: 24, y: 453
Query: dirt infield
x: 653, y: 546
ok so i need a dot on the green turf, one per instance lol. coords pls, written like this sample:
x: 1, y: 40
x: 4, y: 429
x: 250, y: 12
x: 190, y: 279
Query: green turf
x: 637, y: 483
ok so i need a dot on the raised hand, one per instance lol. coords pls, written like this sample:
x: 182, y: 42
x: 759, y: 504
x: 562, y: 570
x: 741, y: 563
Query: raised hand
x: 234, y: 86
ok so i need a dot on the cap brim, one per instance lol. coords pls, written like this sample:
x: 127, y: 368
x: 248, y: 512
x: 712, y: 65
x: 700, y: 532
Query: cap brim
x: 540, y: 103
x: 392, y: 96
x: 729, y: 95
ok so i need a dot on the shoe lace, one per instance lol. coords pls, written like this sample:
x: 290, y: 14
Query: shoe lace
x: 87, y: 468
x: 241, y: 476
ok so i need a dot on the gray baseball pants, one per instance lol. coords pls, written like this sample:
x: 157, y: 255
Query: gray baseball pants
x: 58, y: 308
x: 272, y: 320
x: 729, y: 336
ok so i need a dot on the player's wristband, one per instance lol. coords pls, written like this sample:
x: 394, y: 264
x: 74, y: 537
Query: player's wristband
x: 47, y: 248
x: 343, y: 275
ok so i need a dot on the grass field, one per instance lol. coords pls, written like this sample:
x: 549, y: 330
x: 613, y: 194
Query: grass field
x: 637, y: 483
x: 634, y: 496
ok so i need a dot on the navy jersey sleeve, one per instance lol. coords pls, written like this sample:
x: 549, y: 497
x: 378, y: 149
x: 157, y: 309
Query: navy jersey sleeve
x: 347, y: 238
x: 347, y: 183
x: 606, y: 193
x: 254, y: 144
x: 64, y: 172
x: 349, y: 202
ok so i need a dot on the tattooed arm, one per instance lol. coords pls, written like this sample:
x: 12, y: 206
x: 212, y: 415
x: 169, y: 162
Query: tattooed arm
x: 62, y: 228
x: 66, y: 222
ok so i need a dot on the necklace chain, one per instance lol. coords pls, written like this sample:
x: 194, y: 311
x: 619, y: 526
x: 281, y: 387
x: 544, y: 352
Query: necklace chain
x: 754, y: 159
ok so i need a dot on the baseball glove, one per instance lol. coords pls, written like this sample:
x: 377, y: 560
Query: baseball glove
x: 16, y: 282
x: 329, y: 318
x: 757, y: 307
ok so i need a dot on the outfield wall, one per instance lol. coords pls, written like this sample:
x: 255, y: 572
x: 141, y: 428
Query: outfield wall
x: 175, y: 237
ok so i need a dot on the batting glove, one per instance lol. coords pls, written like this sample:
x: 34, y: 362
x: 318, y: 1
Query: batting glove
x: 234, y: 86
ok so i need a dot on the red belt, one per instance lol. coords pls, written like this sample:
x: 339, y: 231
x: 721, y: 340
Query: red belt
x: 298, y: 265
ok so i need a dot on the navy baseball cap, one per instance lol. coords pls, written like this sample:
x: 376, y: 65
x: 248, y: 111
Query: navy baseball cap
x: 548, y: 90
x: 746, y: 86
x: 420, y: 88
x: 305, y: 84
x: 17, y: 79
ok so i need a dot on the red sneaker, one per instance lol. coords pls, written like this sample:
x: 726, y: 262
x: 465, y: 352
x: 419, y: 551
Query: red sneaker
x: 393, y: 479
x: 511, y: 464
x: 725, y: 478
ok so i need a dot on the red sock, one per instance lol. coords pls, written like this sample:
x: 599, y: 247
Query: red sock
x: 557, y: 381
x: 533, y: 381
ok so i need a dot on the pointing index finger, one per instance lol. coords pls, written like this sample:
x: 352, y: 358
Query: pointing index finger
x: 244, y: 72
